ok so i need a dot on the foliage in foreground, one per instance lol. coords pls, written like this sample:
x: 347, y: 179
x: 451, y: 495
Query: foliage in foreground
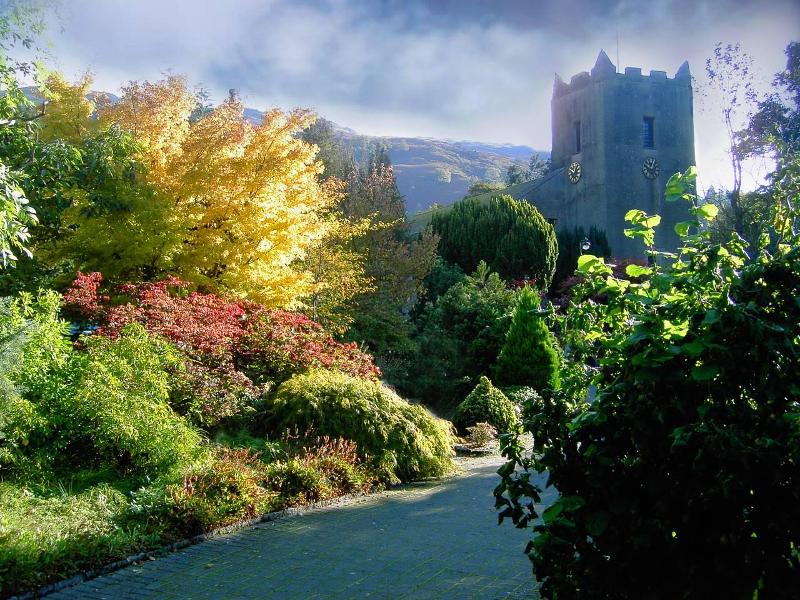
x: 681, y: 478
x: 485, y: 404
x: 402, y: 441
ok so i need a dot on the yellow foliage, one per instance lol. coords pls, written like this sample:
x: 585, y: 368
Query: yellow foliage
x: 248, y: 196
x: 157, y: 114
x: 68, y: 112
x: 337, y: 269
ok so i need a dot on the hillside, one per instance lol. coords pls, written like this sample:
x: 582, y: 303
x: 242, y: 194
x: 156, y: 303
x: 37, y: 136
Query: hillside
x: 431, y: 171
x: 440, y: 172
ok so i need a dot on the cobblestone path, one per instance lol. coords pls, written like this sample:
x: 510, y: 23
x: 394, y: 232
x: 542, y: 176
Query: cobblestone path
x: 430, y: 540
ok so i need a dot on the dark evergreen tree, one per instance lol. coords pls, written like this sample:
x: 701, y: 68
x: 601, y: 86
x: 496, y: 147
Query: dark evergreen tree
x: 337, y: 156
x: 510, y: 235
x: 460, y: 337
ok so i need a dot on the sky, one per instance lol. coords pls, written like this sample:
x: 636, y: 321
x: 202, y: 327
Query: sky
x: 458, y: 69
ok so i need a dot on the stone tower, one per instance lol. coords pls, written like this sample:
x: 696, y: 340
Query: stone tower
x: 617, y: 138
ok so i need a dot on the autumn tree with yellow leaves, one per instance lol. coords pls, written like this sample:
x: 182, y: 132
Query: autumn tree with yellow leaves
x: 247, y: 198
x: 215, y: 199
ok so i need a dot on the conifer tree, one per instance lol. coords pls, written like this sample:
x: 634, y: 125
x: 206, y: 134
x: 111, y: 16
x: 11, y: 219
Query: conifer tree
x: 529, y: 356
x: 510, y: 235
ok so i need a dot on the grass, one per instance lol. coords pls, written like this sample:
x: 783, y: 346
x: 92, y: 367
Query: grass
x: 50, y: 534
x: 51, y: 530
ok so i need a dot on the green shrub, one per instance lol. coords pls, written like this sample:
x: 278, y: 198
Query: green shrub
x: 529, y: 356
x: 510, y: 235
x: 112, y: 404
x: 520, y: 395
x: 400, y: 440
x: 485, y: 404
x: 325, y: 469
x: 297, y: 482
x: 226, y: 489
x: 460, y: 337
x: 33, y: 343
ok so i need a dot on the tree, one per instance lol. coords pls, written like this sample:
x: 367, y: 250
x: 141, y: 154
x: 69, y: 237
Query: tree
x: 538, y: 167
x: 338, y: 273
x: 337, y: 157
x: 16, y: 215
x: 772, y: 132
x: 394, y: 261
x: 86, y: 182
x: 245, y: 198
x: 730, y: 77
x: 777, y: 117
x: 510, y: 235
x: 529, y: 356
x: 19, y: 24
x: 516, y: 174
x: 680, y: 478
x: 480, y: 188
x: 460, y: 337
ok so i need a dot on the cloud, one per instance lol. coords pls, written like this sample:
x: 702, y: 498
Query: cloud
x: 464, y: 69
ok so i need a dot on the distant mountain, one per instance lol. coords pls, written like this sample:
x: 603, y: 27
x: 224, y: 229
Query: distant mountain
x: 432, y: 171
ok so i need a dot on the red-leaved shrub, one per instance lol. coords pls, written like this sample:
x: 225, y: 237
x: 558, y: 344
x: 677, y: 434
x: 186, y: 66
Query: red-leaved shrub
x: 269, y: 345
x: 279, y: 344
x: 210, y: 395
x: 83, y: 300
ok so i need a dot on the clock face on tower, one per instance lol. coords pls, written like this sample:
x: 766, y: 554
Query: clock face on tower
x: 650, y: 168
x: 574, y: 172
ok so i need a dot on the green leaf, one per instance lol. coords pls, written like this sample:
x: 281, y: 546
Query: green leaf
x: 652, y: 221
x: 585, y: 262
x: 708, y: 211
x: 675, y: 331
x: 694, y: 348
x: 682, y: 228
x: 551, y: 512
x: 572, y: 503
x: 705, y: 372
x: 637, y: 271
x: 634, y: 215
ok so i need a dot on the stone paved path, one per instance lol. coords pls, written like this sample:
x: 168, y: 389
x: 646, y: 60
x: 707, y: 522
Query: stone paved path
x: 430, y: 540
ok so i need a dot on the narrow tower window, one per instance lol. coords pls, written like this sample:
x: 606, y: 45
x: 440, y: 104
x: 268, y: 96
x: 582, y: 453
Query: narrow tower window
x: 647, y: 133
x: 577, y: 137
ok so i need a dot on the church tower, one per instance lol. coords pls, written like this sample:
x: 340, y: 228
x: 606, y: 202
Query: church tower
x: 617, y: 139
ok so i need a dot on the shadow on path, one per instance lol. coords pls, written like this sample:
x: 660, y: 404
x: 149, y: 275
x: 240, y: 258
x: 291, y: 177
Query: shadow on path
x: 429, y: 540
